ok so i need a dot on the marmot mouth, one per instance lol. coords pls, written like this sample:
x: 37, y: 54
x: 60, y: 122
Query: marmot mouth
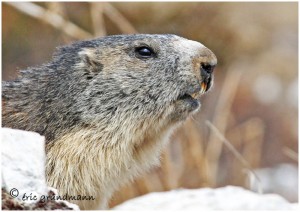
x: 195, y: 96
x: 186, y: 97
x: 190, y: 102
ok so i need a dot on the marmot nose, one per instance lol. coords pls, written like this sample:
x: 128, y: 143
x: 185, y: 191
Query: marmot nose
x: 207, y: 69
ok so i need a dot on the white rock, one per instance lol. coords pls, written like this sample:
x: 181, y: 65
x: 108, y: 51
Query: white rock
x: 226, y: 198
x: 281, y: 179
x: 23, y: 163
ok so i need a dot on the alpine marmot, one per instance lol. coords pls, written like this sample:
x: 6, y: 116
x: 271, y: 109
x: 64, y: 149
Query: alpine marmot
x: 107, y: 107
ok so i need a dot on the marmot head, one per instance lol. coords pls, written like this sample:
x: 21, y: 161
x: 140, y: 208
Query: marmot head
x: 132, y: 78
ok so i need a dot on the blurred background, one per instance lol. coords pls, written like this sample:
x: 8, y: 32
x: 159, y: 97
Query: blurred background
x: 254, y: 102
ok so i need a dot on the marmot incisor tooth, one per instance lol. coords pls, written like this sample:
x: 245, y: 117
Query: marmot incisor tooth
x: 107, y: 106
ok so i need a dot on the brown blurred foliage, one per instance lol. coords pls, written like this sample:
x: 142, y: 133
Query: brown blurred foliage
x: 254, y: 101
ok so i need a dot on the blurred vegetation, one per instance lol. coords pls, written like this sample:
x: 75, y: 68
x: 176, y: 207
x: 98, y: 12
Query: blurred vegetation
x: 254, y: 102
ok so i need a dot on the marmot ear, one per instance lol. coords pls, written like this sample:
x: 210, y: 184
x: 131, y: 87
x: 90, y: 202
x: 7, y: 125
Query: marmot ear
x: 90, y: 61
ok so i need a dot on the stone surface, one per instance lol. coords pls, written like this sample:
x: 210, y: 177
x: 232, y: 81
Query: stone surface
x: 281, y: 179
x: 226, y: 198
x: 23, y: 173
x: 23, y: 163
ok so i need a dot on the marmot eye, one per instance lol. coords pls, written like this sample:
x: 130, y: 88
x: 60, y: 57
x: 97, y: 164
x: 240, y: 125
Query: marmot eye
x: 144, y: 52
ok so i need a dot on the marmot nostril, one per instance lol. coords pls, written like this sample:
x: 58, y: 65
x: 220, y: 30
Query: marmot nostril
x: 207, y: 68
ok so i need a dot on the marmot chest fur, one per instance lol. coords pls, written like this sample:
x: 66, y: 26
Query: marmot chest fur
x: 107, y: 106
